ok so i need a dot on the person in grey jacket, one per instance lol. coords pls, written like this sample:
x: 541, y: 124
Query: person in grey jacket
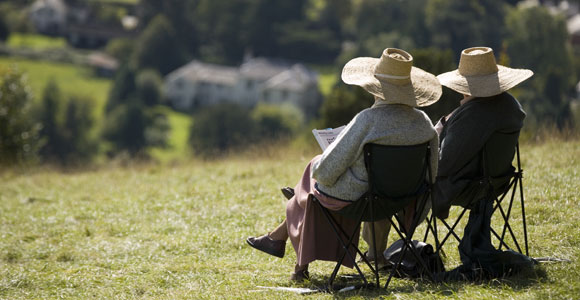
x: 338, y: 176
x: 487, y: 107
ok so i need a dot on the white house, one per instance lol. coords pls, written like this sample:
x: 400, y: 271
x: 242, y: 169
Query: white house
x: 49, y: 16
x: 200, y: 84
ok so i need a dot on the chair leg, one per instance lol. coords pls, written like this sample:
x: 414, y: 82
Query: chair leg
x: 376, y: 270
x: 345, y: 246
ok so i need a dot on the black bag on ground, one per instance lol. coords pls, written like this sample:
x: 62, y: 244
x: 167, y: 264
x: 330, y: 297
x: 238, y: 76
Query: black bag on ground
x: 410, y: 267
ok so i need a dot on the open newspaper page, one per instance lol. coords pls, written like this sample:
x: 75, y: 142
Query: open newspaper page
x: 325, y: 137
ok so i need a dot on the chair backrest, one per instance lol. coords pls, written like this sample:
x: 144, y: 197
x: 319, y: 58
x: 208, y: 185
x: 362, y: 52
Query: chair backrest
x: 396, y: 174
x: 396, y: 171
x: 497, y: 156
x: 499, y: 151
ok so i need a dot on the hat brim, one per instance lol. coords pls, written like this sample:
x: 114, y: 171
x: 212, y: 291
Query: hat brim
x: 423, y: 90
x: 485, y: 85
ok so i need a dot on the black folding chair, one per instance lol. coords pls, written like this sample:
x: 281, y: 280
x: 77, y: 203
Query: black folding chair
x: 397, y: 176
x: 499, y: 180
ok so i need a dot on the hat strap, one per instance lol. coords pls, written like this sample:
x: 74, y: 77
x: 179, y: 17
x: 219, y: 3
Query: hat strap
x: 387, y: 76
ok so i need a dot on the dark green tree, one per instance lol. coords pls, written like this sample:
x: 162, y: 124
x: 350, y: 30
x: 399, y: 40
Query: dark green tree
x: 80, y: 145
x: 125, y: 128
x: 158, y: 47
x: 343, y: 104
x: 4, y: 30
x: 18, y: 131
x: 459, y: 24
x: 123, y: 87
x: 53, y: 142
x: 221, y: 128
x: 149, y: 87
x: 538, y: 40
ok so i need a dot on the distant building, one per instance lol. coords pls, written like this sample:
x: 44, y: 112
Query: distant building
x: 198, y: 84
x: 49, y: 16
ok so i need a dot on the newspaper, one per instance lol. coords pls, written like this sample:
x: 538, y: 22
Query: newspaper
x: 325, y: 137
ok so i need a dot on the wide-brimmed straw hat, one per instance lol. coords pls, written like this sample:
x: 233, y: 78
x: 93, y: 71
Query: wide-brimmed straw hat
x: 393, y: 78
x: 478, y: 74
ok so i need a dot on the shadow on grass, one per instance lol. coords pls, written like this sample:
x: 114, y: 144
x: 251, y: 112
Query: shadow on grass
x: 519, y: 282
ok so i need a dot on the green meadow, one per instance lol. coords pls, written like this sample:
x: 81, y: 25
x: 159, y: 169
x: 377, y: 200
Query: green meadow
x: 177, y: 231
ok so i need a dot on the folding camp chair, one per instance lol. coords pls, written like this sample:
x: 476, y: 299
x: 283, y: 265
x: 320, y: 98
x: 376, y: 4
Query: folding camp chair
x: 397, y: 176
x: 499, y: 180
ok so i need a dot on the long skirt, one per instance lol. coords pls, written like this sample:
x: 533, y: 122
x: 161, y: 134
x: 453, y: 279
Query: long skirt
x: 308, y: 229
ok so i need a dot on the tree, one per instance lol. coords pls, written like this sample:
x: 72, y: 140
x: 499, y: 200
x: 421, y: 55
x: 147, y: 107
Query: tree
x: 4, y: 30
x: 221, y: 128
x: 80, y: 145
x: 125, y: 128
x: 148, y: 84
x: 18, y: 131
x: 343, y: 104
x: 538, y: 40
x: 123, y: 87
x: 52, y: 139
x: 276, y: 121
x: 158, y: 47
x: 459, y: 24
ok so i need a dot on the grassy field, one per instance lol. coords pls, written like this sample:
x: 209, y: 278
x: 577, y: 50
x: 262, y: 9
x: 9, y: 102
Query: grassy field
x: 34, y: 41
x: 72, y: 80
x: 155, y: 232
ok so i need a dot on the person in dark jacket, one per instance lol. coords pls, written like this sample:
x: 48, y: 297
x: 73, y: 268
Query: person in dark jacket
x: 486, y: 108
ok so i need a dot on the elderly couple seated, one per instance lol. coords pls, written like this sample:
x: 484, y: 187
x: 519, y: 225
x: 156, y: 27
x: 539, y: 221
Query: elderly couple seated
x: 338, y: 179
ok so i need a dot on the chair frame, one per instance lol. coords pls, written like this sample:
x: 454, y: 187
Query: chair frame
x: 399, y: 228
x: 514, y: 186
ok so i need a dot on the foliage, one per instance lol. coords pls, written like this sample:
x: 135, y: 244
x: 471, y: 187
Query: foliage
x: 158, y: 47
x: 148, y: 86
x: 123, y: 87
x: 120, y: 48
x: 533, y: 34
x: 125, y: 128
x: 276, y: 121
x: 343, y: 104
x: 4, y: 30
x: 459, y: 24
x: 18, y: 131
x: 66, y: 131
x: 221, y: 128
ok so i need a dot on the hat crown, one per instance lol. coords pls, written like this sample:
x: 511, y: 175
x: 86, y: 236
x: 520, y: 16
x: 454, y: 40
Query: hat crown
x: 477, y: 61
x: 394, y: 67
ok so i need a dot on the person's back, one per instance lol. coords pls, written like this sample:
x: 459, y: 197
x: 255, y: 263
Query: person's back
x: 462, y: 139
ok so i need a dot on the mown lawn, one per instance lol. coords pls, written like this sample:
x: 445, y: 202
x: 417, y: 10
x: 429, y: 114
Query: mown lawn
x: 160, y: 232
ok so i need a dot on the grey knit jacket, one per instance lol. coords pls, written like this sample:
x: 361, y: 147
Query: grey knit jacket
x: 341, y: 171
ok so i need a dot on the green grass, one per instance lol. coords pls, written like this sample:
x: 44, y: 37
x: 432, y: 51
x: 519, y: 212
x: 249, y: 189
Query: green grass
x: 327, y: 78
x: 154, y: 232
x: 35, y: 41
x: 178, y: 148
x: 71, y: 79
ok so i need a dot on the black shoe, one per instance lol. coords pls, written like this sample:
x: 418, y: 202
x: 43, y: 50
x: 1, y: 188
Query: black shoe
x: 288, y: 192
x: 266, y: 244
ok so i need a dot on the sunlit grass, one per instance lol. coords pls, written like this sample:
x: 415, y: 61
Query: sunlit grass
x: 34, y: 41
x: 155, y: 232
x: 71, y: 79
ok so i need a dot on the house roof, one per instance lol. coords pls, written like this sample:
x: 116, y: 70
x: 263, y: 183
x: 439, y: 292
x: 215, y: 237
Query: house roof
x: 573, y: 24
x: 296, y: 78
x: 197, y: 71
x: 262, y: 68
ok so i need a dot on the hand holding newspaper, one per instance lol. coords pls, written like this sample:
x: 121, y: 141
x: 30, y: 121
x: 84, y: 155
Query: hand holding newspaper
x: 325, y: 137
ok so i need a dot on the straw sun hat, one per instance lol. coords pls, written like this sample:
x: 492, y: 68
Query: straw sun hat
x: 478, y: 74
x: 393, y: 78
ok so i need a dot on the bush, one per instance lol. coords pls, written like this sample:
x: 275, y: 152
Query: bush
x: 343, y: 104
x: 125, y: 128
x: 18, y: 131
x: 220, y: 128
x: 148, y: 84
x: 276, y: 121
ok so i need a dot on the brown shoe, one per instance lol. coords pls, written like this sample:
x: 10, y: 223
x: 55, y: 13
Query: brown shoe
x: 266, y: 244
x: 300, y: 276
x: 288, y: 192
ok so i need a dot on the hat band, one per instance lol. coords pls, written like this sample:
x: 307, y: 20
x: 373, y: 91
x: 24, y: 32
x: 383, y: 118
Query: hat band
x: 387, y: 76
